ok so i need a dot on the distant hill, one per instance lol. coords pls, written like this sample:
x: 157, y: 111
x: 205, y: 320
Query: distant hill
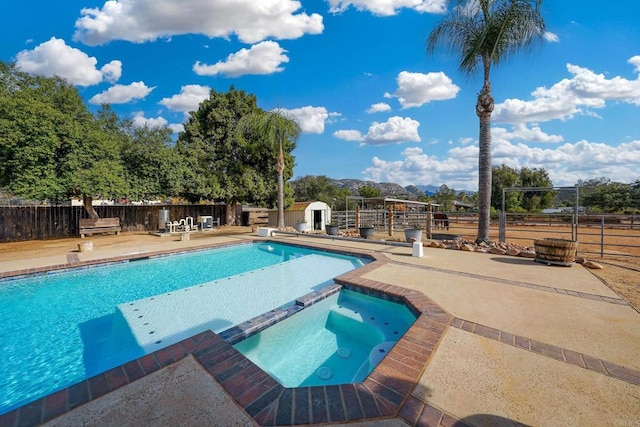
x: 389, y: 189
x: 429, y: 190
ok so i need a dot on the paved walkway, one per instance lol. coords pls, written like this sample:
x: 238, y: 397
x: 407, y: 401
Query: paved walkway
x: 528, y: 343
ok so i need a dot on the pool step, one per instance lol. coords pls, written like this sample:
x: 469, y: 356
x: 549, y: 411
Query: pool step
x: 164, y: 319
x: 340, y: 324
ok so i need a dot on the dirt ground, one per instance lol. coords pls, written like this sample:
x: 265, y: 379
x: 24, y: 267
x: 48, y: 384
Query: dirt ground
x: 621, y: 274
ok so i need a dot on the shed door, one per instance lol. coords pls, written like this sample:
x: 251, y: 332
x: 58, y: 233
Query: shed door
x: 317, y: 220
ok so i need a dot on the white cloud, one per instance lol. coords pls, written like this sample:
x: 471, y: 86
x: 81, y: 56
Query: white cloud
x: 534, y: 134
x: 121, y: 94
x: 311, y: 119
x: 140, y: 21
x: 188, y: 99
x: 416, y: 89
x: 263, y: 58
x: 176, y: 127
x: 566, y: 163
x: 389, y: 7
x: 56, y: 58
x: 635, y: 61
x: 416, y: 167
x: 380, y: 107
x: 139, y: 120
x: 551, y: 37
x: 394, y: 131
x: 348, y: 135
x: 586, y: 90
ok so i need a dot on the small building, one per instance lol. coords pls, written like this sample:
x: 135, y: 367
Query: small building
x: 314, y: 214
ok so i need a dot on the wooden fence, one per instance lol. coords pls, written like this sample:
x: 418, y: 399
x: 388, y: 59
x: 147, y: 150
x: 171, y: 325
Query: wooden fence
x: 18, y: 223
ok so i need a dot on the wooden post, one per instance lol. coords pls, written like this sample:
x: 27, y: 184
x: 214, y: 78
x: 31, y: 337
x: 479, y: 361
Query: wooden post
x: 357, y: 216
x: 429, y: 221
x: 390, y: 220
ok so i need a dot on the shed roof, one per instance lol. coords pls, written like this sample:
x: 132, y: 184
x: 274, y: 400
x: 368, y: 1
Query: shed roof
x: 299, y: 206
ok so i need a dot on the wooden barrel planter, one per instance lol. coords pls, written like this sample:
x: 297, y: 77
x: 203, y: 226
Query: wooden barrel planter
x: 556, y: 251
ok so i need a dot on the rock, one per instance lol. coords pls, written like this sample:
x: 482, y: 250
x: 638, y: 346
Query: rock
x: 442, y: 246
x: 527, y: 253
x: 435, y: 244
x: 467, y: 247
x: 512, y: 252
x: 481, y: 250
x: 580, y: 260
x: 592, y: 265
x: 496, y: 251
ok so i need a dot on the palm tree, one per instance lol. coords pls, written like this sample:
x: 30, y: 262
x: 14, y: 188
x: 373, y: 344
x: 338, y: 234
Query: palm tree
x: 482, y: 33
x: 275, y: 127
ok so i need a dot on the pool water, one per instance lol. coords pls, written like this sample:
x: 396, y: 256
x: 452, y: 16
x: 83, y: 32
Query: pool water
x: 338, y: 340
x: 59, y: 329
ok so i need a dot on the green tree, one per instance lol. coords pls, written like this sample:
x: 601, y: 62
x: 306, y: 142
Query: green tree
x: 486, y: 33
x: 533, y: 201
x: 51, y: 146
x: 280, y: 132
x: 610, y: 197
x: 218, y: 162
x: 445, y: 196
x: 521, y: 201
x: 368, y: 191
x: 503, y: 177
x: 153, y: 167
x: 635, y: 194
x: 311, y: 188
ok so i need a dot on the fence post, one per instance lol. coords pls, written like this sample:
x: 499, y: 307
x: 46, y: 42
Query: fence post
x: 429, y: 221
x: 502, y: 227
x: 602, y: 237
x: 357, y: 216
x: 390, y: 220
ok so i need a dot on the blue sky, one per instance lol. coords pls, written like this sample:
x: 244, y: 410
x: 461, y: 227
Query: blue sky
x: 355, y: 74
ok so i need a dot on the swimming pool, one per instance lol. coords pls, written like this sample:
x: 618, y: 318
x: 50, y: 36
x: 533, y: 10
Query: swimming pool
x: 338, y: 340
x: 61, y: 328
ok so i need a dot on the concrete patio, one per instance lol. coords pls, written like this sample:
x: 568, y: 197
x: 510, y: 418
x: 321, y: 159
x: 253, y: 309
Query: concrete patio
x: 526, y: 343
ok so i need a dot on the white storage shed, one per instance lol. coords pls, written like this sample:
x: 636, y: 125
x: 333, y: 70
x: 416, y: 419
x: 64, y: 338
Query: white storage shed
x: 306, y: 216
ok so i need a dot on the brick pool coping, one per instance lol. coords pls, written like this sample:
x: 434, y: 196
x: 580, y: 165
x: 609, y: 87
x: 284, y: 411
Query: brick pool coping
x: 385, y: 393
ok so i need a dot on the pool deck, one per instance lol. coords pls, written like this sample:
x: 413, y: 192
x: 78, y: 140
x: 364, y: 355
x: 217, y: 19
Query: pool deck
x: 523, y: 342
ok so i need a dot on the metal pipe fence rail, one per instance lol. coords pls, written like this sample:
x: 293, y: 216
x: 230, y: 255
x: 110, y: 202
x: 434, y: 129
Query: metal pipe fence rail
x: 602, y: 235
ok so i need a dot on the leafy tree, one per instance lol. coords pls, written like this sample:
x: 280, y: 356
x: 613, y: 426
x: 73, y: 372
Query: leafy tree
x: 635, y: 193
x: 153, y: 167
x: 368, y: 191
x: 532, y: 201
x: 219, y: 162
x: 445, y: 196
x: 503, y: 177
x: 527, y: 201
x: 310, y: 188
x: 279, y: 132
x: 51, y: 146
x: 610, y: 197
x: 483, y: 33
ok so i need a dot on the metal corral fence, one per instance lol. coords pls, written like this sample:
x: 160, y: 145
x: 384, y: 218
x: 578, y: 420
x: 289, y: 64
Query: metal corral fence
x: 602, y: 235
x: 19, y: 223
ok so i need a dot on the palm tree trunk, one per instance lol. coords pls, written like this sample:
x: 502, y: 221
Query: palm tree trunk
x: 280, y: 170
x: 484, y: 108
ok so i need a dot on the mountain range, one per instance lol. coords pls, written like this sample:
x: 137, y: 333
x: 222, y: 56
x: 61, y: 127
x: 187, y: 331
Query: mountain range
x: 388, y: 189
